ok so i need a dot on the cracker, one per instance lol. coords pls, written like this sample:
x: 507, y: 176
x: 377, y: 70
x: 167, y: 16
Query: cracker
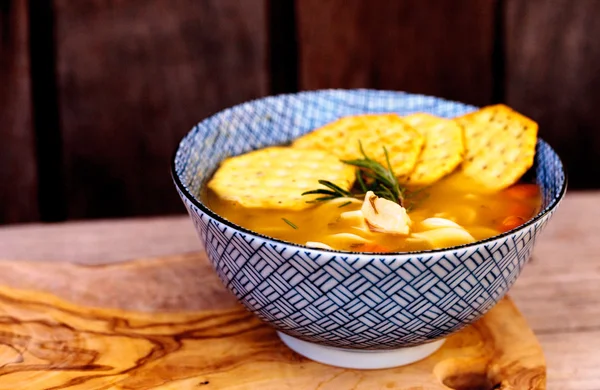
x: 276, y: 177
x: 500, y: 146
x: 374, y: 131
x: 443, y: 150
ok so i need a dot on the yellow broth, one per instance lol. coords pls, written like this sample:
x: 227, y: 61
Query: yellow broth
x: 454, y: 198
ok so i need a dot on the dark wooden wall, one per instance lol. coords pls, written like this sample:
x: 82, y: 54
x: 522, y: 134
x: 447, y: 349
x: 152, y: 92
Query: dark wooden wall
x: 95, y: 94
x: 435, y: 47
x: 18, y: 165
x: 132, y: 78
x: 553, y: 74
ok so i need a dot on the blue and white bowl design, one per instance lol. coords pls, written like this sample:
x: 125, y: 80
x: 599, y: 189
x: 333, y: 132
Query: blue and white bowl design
x: 361, y: 301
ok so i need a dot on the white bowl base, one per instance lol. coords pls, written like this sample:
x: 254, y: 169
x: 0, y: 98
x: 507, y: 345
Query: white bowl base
x: 360, y: 359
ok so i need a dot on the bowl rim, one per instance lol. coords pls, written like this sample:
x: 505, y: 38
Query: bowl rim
x: 193, y: 200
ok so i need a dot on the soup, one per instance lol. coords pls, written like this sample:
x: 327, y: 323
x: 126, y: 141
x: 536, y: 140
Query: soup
x: 426, y: 191
x: 337, y: 225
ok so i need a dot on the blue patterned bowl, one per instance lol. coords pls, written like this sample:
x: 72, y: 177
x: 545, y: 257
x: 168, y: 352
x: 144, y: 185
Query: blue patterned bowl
x: 329, y: 305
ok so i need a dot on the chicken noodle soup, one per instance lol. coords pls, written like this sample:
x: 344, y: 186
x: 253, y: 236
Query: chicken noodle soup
x: 452, y: 212
x: 325, y: 193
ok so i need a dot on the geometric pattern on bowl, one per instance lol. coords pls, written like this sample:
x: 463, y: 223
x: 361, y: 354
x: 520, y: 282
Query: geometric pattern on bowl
x: 342, y: 299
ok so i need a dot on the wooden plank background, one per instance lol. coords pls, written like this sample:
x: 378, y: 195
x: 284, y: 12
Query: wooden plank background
x: 18, y: 164
x: 95, y: 94
x: 425, y: 47
x: 552, y: 62
x: 130, y: 90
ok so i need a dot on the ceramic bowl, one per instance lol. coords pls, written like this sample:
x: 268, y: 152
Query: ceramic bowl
x: 356, y: 310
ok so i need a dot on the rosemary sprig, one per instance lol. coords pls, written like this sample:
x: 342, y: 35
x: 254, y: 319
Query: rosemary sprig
x: 415, y: 197
x: 290, y: 223
x: 333, y: 192
x: 361, y: 181
x: 370, y: 176
x: 380, y: 179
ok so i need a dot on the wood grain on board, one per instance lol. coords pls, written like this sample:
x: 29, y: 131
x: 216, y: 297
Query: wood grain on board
x: 133, y: 78
x: 18, y: 166
x: 558, y: 291
x: 552, y: 60
x: 436, y: 47
x: 168, y: 323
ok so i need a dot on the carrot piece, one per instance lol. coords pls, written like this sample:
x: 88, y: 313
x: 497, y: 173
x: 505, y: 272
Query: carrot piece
x: 371, y: 247
x: 511, y: 222
x: 520, y: 209
x: 522, y: 191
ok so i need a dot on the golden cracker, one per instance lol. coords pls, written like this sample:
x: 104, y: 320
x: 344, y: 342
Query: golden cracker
x: 443, y: 150
x: 500, y: 145
x: 276, y: 177
x: 374, y: 131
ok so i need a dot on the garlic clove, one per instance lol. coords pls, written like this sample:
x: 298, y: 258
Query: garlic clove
x: 385, y: 216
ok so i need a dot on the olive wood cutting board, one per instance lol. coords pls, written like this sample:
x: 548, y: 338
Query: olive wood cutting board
x: 168, y: 323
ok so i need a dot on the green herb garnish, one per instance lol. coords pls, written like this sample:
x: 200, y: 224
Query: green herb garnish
x: 415, y: 197
x: 370, y: 176
x: 333, y: 192
x: 290, y: 223
x: 344, y: 204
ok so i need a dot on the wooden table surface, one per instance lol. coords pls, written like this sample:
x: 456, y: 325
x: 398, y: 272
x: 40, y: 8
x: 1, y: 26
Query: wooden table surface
x: 558, y: 292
